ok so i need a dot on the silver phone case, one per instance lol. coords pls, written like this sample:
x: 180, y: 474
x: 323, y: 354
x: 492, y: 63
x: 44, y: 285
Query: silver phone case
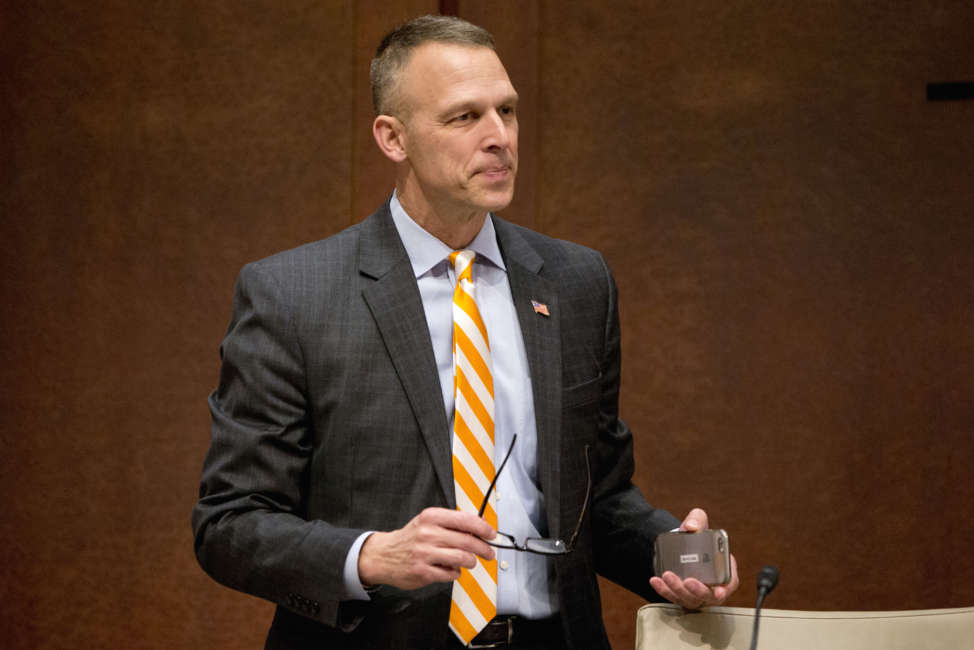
x: 704, y: 555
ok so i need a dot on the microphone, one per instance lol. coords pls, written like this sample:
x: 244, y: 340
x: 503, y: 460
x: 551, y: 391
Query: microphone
x: 767, y: 581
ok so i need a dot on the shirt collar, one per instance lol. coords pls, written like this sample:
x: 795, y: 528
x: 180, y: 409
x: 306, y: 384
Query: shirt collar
x: 426, y: 251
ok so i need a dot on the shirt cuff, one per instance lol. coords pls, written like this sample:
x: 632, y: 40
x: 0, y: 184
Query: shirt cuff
x: 353, y: 585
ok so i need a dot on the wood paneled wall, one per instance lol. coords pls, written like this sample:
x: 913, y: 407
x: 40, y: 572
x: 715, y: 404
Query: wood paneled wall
x: 789, y: 221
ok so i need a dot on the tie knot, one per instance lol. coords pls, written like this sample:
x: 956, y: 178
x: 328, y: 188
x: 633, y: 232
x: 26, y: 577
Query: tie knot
x: 463, y: 264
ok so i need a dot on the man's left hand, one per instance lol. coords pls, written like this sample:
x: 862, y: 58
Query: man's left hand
x: 691, y: 593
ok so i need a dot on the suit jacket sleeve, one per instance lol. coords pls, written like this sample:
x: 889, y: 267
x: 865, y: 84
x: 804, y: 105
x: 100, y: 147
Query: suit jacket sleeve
x: 250, y: 529
x: 624, y: 524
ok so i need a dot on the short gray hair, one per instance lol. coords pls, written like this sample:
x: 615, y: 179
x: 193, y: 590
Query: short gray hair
x: 395, y: 49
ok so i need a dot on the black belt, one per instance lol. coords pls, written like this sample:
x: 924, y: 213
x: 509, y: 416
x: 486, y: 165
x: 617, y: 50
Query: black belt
x: 509, y: 631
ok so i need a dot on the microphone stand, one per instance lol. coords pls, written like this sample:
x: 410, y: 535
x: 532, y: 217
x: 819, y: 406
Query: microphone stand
x: 767, y: 581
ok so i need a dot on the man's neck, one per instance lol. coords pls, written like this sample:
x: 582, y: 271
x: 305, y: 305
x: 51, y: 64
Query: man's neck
x: 454, y: 228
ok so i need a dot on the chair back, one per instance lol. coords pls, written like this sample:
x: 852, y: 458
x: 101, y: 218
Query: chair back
x: 670, y: 627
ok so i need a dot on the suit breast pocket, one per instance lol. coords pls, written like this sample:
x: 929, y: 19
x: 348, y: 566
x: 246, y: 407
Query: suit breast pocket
x: 582, y: 394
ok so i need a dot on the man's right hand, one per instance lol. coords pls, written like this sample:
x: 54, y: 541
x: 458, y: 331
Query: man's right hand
x: 432, y: 547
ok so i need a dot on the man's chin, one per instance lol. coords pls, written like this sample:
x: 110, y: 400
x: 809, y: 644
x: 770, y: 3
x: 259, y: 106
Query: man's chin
x: 497, y: 201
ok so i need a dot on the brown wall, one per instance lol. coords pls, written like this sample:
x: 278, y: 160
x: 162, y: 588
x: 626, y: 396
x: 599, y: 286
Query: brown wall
x: 789, y: 220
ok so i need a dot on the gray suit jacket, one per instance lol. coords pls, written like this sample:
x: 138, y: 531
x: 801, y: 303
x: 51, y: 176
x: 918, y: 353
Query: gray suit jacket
x: 328, y: 421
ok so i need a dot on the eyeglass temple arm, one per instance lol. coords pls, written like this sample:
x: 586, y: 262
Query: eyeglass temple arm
x: 483, y: 506
x: 588, y: 493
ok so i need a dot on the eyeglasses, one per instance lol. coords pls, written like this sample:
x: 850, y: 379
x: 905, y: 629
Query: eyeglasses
x: 540, y: 545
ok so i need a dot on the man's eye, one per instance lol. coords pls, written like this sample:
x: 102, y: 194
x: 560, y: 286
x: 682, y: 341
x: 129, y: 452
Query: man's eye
x: 462, y: 118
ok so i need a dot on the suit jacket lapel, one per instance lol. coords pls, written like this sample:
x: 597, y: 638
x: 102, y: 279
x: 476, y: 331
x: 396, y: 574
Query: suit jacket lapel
x: 397, y: 308
x: 542, y: 341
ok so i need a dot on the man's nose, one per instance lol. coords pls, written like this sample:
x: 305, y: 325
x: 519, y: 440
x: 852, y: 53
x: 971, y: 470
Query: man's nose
x: 498, y: 131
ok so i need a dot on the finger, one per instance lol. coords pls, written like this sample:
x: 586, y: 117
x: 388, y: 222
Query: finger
x: 657, y: 583
x: 735, y: 577
x: 677, y: 588
x: 424, y: 574
x: 470, y: 544
x: 436, y: 573
x: 436, y: 530
x: 699, y: 592
x: 722, y: 592
x: 466, y: 522
x: 451, y: 558
x: 690, y: 593
x: 695, y: 520
x: 664, y: 590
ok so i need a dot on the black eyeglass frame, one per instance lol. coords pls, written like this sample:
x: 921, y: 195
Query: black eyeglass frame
x: 550, y: 546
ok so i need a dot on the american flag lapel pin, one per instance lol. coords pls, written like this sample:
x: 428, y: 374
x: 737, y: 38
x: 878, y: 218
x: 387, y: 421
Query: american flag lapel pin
x: 540, y: 308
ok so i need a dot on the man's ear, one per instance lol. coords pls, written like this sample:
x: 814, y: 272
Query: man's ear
x: 389, y: 134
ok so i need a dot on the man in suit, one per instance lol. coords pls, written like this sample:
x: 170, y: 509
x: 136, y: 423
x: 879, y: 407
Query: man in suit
x: 336, y: 484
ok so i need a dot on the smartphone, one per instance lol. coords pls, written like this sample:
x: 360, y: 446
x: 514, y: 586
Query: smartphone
x: 704, y: 555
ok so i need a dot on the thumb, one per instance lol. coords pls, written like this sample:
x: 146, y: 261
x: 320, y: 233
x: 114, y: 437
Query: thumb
x: 695, y: 521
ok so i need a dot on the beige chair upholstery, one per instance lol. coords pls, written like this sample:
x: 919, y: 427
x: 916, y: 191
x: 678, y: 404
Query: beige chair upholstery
x: 669, y: 627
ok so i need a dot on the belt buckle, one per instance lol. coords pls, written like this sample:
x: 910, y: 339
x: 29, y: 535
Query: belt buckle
x: 498, y: 644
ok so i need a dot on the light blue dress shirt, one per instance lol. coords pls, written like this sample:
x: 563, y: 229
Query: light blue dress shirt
x: 525, y: 581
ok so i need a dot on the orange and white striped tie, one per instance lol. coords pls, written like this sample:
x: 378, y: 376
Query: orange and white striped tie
x: 475, y: 591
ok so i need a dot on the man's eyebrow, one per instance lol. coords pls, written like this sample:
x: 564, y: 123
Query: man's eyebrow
x: 466, y: 105
x: 457, y: 108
